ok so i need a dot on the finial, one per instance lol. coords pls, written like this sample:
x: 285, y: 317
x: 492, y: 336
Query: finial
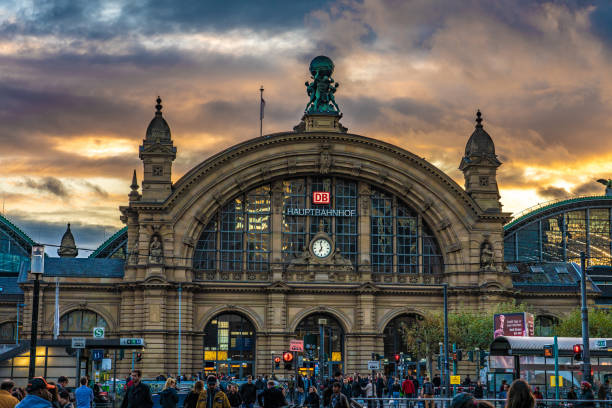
x: 479, y: 119
x: 134, y: 196
x: 159, y: 106
x: 134, y: 185
x: 68, y: 226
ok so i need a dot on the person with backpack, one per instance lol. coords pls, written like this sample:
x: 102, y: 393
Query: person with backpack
x: 428, y: 392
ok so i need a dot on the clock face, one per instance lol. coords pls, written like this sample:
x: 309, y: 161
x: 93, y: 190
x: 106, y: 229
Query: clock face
x: 321, y: 248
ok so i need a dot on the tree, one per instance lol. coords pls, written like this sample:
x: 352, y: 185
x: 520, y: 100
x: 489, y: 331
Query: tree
x: 600, y: 324
x: 424, y: 336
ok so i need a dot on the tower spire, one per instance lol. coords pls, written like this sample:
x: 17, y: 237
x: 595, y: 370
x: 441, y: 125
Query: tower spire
x: 134, y: 196
x: 478, y: 119
x: 158, y: 107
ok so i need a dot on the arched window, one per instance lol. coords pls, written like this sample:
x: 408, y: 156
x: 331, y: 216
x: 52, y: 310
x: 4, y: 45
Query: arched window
x: 396, y: 334
x: 229, y: 345
x: 545, y: 325
x: 8, y: 332
x: 309, y: 330
x: 81, y: 321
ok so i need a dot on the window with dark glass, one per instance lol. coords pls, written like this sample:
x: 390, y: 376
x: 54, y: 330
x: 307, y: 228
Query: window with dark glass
x: 346, y: 227
x: 333, y: 337
x: 293, y: 226
x: 407, y: 240
x: 8, y: 332
x: 205, y: 257
x: 229, y: 345
x: 258, y: 228
x: 81, y: 321
x: 396, y: 336
x: 381, y: 224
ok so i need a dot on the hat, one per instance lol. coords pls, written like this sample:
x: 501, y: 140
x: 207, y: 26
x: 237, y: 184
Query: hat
x: 585, y: 384
x: 211, y: 379
x: 38, y: 383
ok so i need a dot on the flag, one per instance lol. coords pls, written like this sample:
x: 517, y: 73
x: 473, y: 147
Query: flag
x: 262, y: 106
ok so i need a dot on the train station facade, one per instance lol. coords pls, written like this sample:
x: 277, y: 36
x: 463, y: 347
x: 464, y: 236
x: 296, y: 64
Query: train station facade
x: 264, y: 241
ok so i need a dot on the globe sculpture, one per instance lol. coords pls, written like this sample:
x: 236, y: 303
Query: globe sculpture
x: 322, y: 88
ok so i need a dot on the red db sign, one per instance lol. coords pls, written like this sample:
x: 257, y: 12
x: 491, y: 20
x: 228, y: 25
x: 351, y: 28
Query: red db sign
x: 320, y: 197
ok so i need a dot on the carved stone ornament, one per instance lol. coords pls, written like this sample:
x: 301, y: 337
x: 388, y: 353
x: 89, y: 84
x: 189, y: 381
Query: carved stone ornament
x: 487, y: 259
x: 156, y: 253
x: 325, y: 160
x: 277, y: 197
x: 251, y: 276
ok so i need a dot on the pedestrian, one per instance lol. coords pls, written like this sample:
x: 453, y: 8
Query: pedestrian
x: 571, y: 394
x: 191, y: 400
x: 478, y: 390
x: 408, y: 390
x: 168, y: 398
x: 248, y: 393
x: 291, y: 388
x: 368, y: 392
x: 19, y: 393
x: 463, y: 400
x: 272, y: 397
x: 504, y: 392
x: 138, y: 394
x: 6, y: 399
x: 212, y: 396
x: 39, y: 395
x: 428, y: 393
x: 602, y: 392
x: 62, y: 383
x: 519, y: 395
x: 84, y: 395
x: 312, y: 399
x: 338, y: 399
x: 380, y: 388
x: 586, y: 396
x: 234, y: 396
x: 538, y: 396
x: 64, y: 399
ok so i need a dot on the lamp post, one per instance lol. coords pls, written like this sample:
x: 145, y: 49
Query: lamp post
x: 37, y: 268
x: 446, y: 368
x: 586, y: 355
x: 322, y: 323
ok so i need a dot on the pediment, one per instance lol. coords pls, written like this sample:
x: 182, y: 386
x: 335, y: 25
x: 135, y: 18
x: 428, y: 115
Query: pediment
x: 368, y: 287
x: 279, y: 286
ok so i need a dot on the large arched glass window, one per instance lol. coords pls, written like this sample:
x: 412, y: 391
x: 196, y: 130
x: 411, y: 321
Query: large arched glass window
x: 309, y: 330
x: 396, y: 334
x: 229, y: 345
x: 81, y: 321
x: 8, y: 332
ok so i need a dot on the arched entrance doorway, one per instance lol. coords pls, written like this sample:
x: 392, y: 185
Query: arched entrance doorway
x: 229, y: 345
x: 397, y: 340
x: 310, y: 330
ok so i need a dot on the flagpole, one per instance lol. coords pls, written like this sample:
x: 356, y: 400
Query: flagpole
x: 56, y: 314
x: 261, y: 110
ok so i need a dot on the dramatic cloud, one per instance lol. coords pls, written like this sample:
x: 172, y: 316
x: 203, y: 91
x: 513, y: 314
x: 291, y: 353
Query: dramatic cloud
x: 78, y: 81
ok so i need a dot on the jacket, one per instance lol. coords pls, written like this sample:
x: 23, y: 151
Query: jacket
x: 312, y: 400
x: 137, y: 396
x: 219, y: 400
x: 234, y: 399
x: 339, y: 401
x: 191, y: 400
x: 168, y: 398
x: 367, y: 390
x: 7, y: 400
x: 271, y: 398
x: 248, y: 392
x: 34, y: 401
x: 586, y: 399
x: 408, y: 387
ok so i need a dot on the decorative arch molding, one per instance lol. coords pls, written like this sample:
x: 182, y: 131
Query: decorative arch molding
x: 8, y: 320
x: 547, y: 313
x: 248, y: 313
x: 444, y: 205
x: 341, y: 317
x: 392, y: 314
x: 112, y: 323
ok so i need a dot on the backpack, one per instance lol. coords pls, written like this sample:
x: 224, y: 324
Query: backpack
x: 428, y: 388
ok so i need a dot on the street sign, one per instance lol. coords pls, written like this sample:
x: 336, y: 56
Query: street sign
x: 78, y: 342
x: 373, y: 365
x: 98, y: 332
x: 296, y: 345
x: 97, y: 354
x: 455, y: 380
x: 129, y: 341
x: 552, y: 381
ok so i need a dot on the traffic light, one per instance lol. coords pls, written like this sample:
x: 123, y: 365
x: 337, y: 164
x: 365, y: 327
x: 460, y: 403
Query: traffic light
x: 578, y: 352
x: 138, y: 356
x: 277, y: 362
x: 454, y: 356
x: 459, y: 355
x: 439, y: 362
x: 288, y: 359
x: 397, y: 358
x: 121, y: 354
x: 549, y: 350
x: 483, y: 358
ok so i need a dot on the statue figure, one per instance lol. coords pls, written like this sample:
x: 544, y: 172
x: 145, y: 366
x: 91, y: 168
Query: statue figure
x: 155, y: 251
x: 322, y: 88
x: 487, y: 261
x: 608, y: 184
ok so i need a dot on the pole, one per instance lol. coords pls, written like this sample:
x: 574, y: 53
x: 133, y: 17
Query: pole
x: 454, y: 366
x: 17, y: 328
x: 33, y: 338
x: 329, y: 361
x: 77, y: 374
x: 321, y: 351
x: 180, y: 296
x: 556, y: 351
x: 446, y: 368
x: 133, y: 358
x: 261, y: 110
x: 586, y: 354
x: 115, y: 379
x: 441, y: 367
x: 56, y: 312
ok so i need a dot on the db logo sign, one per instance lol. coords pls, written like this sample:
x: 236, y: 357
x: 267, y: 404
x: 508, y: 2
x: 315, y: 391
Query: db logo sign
x: 320, y: 197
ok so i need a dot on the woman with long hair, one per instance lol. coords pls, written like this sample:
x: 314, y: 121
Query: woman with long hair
x: 168, y: 398
x: 191, y: 401
x: 519, y: 395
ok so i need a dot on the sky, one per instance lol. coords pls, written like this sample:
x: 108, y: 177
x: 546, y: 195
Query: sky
x: 79, y: 78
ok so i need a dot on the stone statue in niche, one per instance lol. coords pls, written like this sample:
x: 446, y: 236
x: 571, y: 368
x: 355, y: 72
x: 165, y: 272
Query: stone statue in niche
x: 156, y: 255
x: 487, y: 260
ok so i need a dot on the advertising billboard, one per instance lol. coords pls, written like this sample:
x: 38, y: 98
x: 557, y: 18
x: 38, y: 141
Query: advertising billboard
x: 513, y: 324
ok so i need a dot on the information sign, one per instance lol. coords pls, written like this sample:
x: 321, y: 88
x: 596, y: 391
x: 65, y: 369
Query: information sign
x: 98, y: 332
x: 97, y: 354
x: 373, y: 365
x: 78, y: 342
x: 553, y: 382
x: 455, y: 380
x: 296, y: 345
x: 127, y: 341
x: 601, y: 343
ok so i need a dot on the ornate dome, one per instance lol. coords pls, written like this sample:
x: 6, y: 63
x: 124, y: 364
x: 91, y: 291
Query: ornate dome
x: 480, y: 143
x: 68, y: 246
x: 158, y: 128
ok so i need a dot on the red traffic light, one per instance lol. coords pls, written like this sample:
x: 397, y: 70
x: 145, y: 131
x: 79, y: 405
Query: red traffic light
x: 277, y: 360
x: 577, y: 348
x: 287, y: 357
x: 397, y: 358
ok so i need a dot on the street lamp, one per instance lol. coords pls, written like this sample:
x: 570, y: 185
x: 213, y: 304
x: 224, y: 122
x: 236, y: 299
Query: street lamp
x: 37, y: 268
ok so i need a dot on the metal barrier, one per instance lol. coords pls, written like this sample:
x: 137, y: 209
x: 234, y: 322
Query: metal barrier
x: 440, y: 402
